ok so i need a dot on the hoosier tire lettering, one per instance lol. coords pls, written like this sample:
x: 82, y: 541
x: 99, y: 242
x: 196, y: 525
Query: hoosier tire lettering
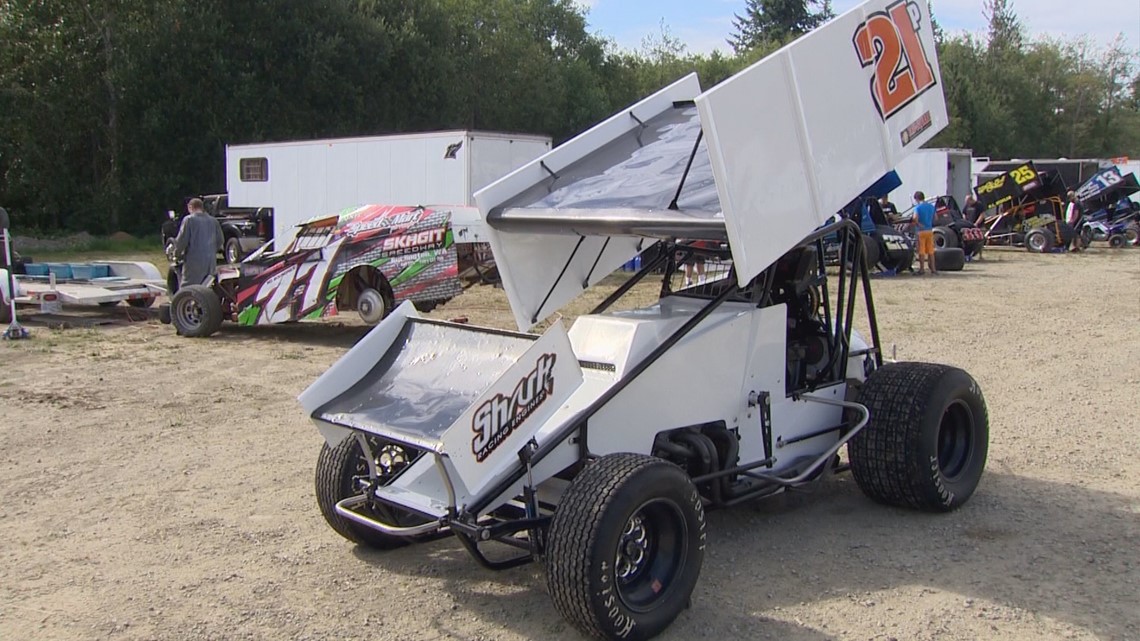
x: 625, y: 547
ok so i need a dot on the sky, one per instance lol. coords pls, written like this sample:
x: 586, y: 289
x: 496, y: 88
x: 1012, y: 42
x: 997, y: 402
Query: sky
x: 703, y: 25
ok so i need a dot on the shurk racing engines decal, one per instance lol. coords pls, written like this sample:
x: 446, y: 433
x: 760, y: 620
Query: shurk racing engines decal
x: 499, y: 416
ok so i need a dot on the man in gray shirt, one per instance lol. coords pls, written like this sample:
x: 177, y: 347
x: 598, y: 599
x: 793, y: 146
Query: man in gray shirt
x: 199, y: 241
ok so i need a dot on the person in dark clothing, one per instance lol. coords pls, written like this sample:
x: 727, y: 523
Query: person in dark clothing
x: 889, y: 210
x: 1074, y: 216
x: 972, y: 212
x: 199, y: 241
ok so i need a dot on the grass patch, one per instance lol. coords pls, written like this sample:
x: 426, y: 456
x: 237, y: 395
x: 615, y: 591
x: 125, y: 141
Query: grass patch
x: 147, y: 249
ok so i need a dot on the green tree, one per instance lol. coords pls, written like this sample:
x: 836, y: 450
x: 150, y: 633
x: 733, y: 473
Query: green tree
x: 776, y: 20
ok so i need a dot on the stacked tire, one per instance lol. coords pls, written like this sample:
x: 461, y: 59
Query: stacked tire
x: 949, y: 259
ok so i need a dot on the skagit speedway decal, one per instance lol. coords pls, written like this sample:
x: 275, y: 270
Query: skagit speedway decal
x: 890, y: 41
x: 500, y: 415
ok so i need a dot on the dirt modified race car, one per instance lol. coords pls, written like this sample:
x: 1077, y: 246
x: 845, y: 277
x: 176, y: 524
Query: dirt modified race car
x: 366, y: 259
x: 598, y: 450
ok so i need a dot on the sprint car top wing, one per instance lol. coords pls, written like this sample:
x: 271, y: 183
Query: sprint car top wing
x: 761, y: 159
x: 1106, y: 187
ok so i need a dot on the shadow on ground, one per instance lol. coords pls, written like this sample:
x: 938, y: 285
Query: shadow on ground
x: 1050, y: 549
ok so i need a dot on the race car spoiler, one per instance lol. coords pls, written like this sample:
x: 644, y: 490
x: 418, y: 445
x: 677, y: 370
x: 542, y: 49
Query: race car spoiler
x: 761, y: 159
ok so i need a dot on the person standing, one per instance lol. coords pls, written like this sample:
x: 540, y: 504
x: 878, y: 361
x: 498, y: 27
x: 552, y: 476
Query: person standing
x: 889, y: 210
x: 924, y: 222
x: 1073, y: 218
x: 971, y: 211
x: 199, y: 240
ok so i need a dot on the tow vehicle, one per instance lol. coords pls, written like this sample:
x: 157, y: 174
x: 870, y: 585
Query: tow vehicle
x: 598, y: 450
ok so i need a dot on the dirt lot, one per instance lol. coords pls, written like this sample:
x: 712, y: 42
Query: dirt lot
x: 161, y: 488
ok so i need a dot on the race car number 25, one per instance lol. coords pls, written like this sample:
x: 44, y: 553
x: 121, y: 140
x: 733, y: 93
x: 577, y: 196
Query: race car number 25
x: 890, y: 41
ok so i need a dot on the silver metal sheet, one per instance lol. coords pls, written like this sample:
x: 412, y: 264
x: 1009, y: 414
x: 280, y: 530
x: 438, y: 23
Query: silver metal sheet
x: 428, y: 377
x: 635, y: 177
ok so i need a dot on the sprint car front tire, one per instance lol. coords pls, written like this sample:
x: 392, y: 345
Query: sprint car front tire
x: 338, y: 469
x: 925, y: 444
x: 625, y: 547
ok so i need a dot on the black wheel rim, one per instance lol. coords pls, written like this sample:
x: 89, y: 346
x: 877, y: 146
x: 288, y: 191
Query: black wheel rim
x: 188, y: 313
x: 390, y: 461
x: 651, y: 553
x: 955, y: 440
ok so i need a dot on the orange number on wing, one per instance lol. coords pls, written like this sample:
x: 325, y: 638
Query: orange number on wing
x: 890, y: 41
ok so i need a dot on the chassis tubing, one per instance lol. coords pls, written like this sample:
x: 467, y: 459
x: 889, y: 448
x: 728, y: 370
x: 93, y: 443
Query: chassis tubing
x: 577, y: 423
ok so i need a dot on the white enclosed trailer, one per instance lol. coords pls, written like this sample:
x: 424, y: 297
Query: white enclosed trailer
x: 935, y: 172
x: 302, y: 179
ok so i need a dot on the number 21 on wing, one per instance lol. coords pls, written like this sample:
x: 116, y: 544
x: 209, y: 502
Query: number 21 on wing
x: 890, y: 41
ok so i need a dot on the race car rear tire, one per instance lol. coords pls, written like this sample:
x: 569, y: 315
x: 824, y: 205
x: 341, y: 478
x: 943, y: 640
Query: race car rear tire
x: 1116, y: 241
x: 371, y: 305
x: 196, y: 311
x: 945, y: 237
x: 925, y: 444
x: 1039, y: 240
x: 337, y: 470
x: 1132, y: 234
x: 949, y: 259
x: 625, y: 547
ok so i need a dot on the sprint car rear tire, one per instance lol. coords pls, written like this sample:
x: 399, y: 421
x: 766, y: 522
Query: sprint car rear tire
x: 926, y: 443
x: 1132, y: 234
x: 1116, y: 241
x: 949, y: 259
x: 196, y: 311
x: 872, y: 251
x: 625, y: 547
x: 337, y: 470
x: 1039, y: 240
x: 945, y: 237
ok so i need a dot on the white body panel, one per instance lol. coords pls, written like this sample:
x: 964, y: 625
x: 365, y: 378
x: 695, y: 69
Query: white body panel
x: 796, y: 136
x: 791, y: 140
x: 524, y: 259
x: 317, y: 177
x: 934, y: 172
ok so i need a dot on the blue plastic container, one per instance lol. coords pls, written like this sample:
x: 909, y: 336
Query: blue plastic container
x: 61, y: 270
x: 36, y: 269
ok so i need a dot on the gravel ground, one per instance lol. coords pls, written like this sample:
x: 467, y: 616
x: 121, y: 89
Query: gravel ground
x: 161, y: 488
